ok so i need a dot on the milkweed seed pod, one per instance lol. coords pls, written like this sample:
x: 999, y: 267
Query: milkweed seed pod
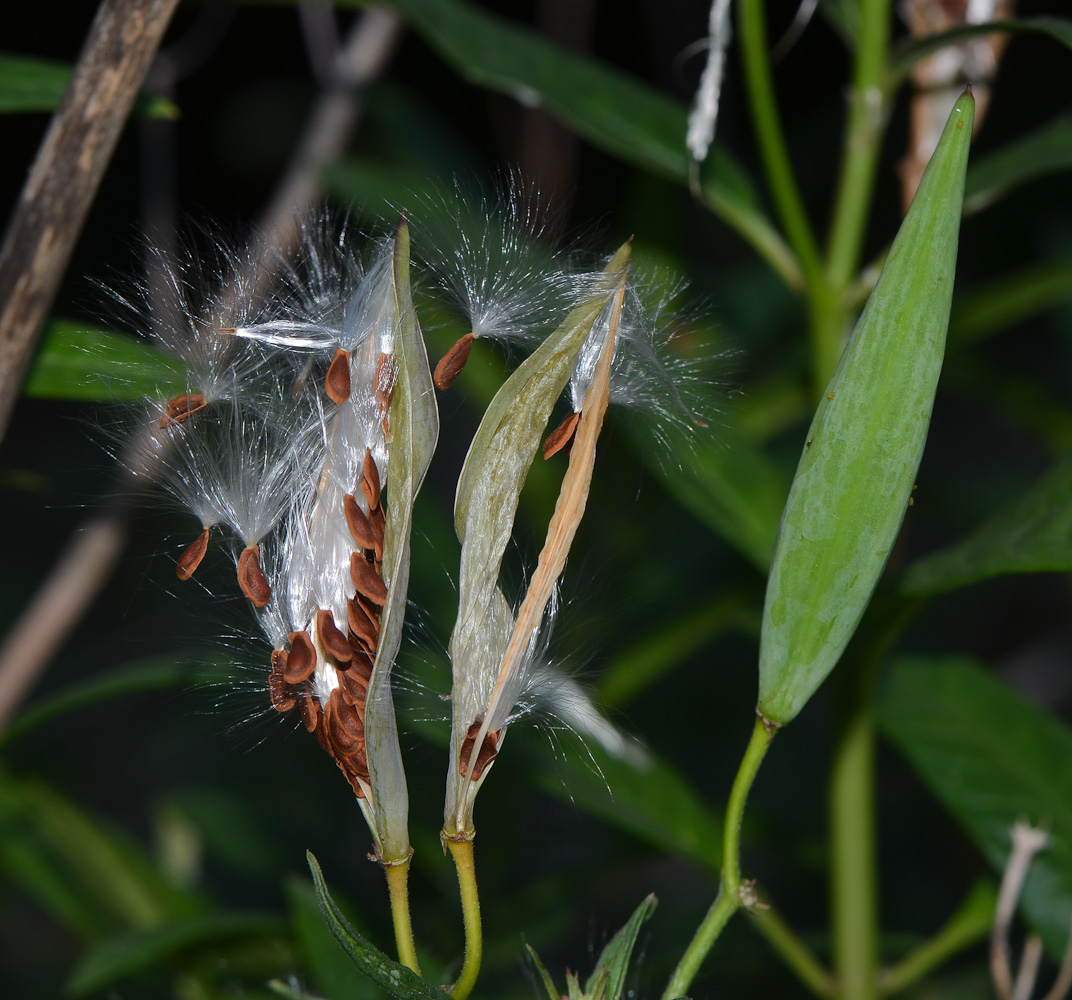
x: 493, y: 651
x: 313, y: 459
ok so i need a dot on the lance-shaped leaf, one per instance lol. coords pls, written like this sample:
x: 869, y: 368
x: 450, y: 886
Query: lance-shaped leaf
x: 863, y: 449
x: 609, y: 974
x: 398, y: 980
x: 414, y: 422
x: 991, y: 759
x: 607, y: 981
x: 490, y: 484
x: 1034, y: 535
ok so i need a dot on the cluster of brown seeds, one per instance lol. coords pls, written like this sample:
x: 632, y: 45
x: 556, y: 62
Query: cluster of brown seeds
x: 339, y: 725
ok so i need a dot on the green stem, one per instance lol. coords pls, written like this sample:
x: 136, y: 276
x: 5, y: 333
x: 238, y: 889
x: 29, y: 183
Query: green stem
x: 854, y: 890
x: 856, y: 180
x: 398, y: 887
x: 853, y: 873
x: 863, y: 134
x: 796, y: 955
x: 968, y: 926
x: 462, y: 853
x: 756, y: 229
x: 729, y: 894
x: 769, y: 135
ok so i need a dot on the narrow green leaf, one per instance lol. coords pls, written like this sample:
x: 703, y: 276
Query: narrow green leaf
x: 614, y: 961
x: 545, y: 978
x: 844, y: 16
x: 613, y: 111
x: 28, y: 84
x: 280, y: 989
x: 905, y: 55
x: 1003, y: 302
x: 111, y: 872
x: 396, y: 979
x: 1034, y: 535
x: 75, y: 362
x: 26, y: 861
x: 129, y: 953
x: 865, y: 443
x: 151, y: 675
x: 1045, y: 151
x: 991, y: 759
x: 329, y: 966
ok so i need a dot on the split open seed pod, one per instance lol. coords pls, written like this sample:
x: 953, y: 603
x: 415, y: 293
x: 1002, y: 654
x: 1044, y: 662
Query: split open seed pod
x: 414, y: 423
x: 489, y: 649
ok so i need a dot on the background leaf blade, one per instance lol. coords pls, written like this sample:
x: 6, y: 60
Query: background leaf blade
x: 943, y: 716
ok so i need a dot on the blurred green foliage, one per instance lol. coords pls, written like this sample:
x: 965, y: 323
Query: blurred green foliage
x: 154, y: 819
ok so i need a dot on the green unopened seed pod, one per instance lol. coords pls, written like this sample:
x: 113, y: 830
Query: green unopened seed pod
x: 863, y: 449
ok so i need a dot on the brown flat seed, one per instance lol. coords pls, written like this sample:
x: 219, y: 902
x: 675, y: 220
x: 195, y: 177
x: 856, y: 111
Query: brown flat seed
x: 487, y: 753
x: 370, y: 481
x: 366, y: 580
x: 378, y: 522
x: 562, y: 436
x: 386, y: 372
x: 312, y: 715
x: 372, y: 610
x: 283, y: 695
x: 301, y: 662
x: 331, y: 638
x: 361, y: 624
x: 346, y: 725
x: 192, y: 555
x: 337, y: 381
x: 354, y: 686
x: 358, y: 523
x: 364, y: 657
x: 451, y: 364
x: 181, y: 408
x: 251, y: 577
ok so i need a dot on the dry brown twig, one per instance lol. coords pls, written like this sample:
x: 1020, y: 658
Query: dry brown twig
x: 65, y: 176
x: 1027, y: 841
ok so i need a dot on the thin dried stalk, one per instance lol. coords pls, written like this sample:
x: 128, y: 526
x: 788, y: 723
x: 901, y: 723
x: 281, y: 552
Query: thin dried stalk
x: 66, y: 174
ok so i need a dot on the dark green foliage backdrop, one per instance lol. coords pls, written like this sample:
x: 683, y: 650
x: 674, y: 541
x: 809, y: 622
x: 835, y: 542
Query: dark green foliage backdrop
x: 212, y: 803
